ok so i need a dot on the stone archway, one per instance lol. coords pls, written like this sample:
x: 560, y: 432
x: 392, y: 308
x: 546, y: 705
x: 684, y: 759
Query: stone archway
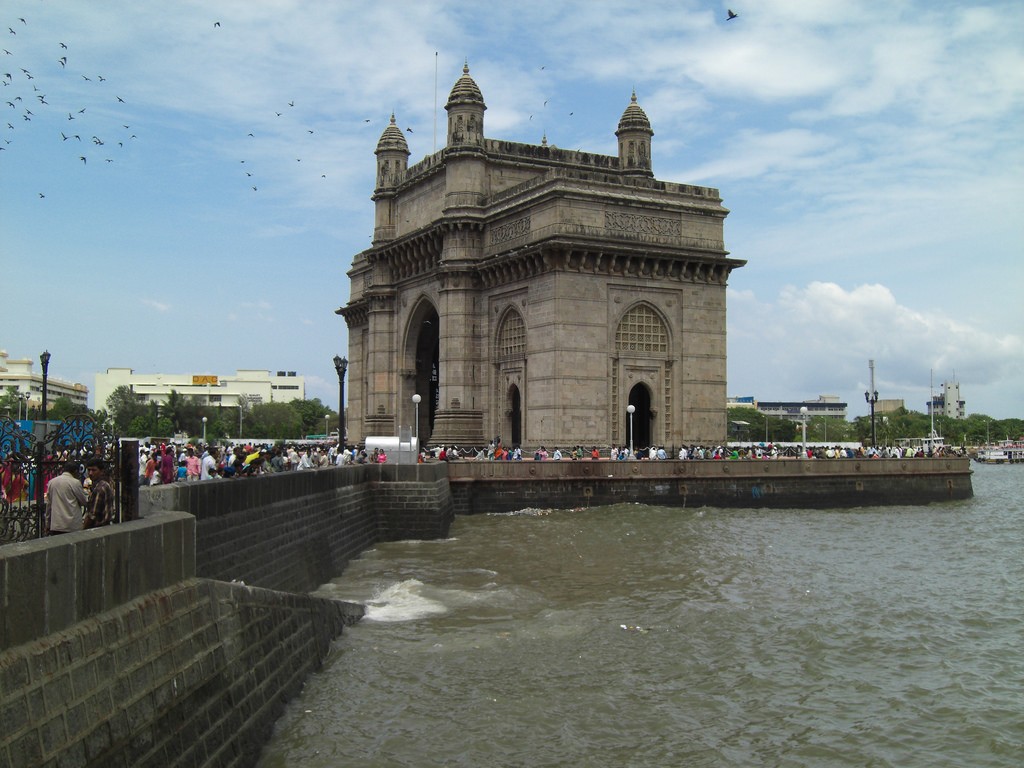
x: 640, y: 399
x: 424, y: 334
x: 515, y: 416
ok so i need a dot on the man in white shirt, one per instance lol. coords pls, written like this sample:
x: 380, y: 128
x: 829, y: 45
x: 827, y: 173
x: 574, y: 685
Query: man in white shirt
x: 208, y: 468
x: 65, y: 498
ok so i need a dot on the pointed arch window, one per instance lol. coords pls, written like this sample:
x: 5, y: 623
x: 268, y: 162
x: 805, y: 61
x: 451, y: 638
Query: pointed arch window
x: 641, y: 330
x: 512, y: 337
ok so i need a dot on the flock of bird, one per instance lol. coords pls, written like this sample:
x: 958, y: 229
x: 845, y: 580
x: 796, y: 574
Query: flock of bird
x: 100, y: 129
x: 90, y: 129
x: 93, y: 123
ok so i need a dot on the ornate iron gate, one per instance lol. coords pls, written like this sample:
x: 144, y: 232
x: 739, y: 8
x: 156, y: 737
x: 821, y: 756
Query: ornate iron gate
x: 28, y: 462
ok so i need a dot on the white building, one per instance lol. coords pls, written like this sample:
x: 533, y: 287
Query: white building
x: 824, y: 405
x: 19, y: 374
x: 949, y: 402
x: 254, y: 386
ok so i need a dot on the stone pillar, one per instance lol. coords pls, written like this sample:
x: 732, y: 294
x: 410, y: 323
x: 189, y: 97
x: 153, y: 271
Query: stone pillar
x: 459, y: 417
x: 382, y: 359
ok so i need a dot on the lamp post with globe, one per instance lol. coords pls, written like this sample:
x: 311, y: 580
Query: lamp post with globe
x: 416, y: 405
x: 630, y: 409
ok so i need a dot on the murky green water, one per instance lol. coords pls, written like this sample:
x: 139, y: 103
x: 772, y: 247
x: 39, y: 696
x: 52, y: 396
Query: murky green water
x: 648, y: 636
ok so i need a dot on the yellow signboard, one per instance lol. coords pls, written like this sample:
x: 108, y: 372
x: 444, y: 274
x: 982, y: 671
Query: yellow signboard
x: 205, y: 380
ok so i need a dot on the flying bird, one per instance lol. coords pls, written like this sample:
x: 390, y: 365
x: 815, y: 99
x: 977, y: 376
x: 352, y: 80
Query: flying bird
x: 82, y: 158
x: 63, y: 46
x: 732, y: 15
x: 41, y: 195
x: 408, y: 130
x: 120, y: 99
x: 63, y: 61
x: 216, y: 23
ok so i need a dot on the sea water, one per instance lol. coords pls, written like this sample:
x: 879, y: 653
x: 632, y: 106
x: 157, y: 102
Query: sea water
x: 634, y: 635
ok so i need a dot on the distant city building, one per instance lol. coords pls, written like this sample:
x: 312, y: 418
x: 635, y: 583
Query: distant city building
x: 253, y: 386
x: 19, y: 374
x: 948, y: 403
x: 890, y: 406
x: 825, y: 405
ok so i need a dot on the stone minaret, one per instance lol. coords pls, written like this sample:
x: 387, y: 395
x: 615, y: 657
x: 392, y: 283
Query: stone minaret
x: 634, y: 134
x: 392, y: 161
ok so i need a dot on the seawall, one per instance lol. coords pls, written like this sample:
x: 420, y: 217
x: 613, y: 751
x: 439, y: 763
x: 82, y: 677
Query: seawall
x: 297, y: 530
x: 115, y: 654
x: 130, y: 646
x: 503, y: 486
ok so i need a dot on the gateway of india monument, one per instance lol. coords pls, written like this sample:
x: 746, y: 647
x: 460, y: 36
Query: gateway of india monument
x: 535, y: 293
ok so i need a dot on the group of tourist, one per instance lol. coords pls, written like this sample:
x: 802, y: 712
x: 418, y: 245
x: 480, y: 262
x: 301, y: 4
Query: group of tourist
x: 163, y: 464
x: 167, y: 463
x: 73, y: 504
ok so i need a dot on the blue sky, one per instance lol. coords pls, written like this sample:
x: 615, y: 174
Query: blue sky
x: 871, y: 155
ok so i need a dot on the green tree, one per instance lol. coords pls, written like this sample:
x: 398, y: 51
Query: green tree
x: 312, y: 413
x: 275, y: 420
x: 124, y: 409
x: 10, y: 403
x: 63, y: 407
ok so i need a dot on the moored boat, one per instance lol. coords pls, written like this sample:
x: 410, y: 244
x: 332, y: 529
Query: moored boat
x: 1005, y: 452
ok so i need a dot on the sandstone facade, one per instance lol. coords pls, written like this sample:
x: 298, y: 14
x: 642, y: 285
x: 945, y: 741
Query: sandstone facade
x: 534, y: 293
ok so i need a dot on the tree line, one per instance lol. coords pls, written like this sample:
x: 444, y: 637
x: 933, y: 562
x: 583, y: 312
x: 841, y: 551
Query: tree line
x: 749, y: 424
x: 126, y: 415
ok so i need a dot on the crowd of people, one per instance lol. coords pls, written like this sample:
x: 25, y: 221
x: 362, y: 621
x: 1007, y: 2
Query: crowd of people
x: 168, y: 463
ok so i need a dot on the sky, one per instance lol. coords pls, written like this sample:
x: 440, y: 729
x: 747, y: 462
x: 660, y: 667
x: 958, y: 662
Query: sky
x: 183, y: 186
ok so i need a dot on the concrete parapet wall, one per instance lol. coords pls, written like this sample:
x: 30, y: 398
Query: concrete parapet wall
x: 293, y: 531
x: 503, y: 486
x: 50, y: 584
x: 190, y: 674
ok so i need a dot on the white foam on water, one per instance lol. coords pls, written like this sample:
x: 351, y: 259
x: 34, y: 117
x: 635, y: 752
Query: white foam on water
x: 403, y: 601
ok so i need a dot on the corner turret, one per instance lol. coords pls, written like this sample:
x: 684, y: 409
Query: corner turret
x: 634, y: 134
x: 465, y: 109
x: 392, y: 162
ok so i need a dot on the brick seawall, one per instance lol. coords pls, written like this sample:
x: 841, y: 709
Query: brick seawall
x: 503, y: 486
x: 129, y: 646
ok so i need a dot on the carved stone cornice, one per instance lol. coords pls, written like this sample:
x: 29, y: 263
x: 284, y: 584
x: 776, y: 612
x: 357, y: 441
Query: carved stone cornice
x: 413, y: 255
x: 356, y: 313
x: 526, y: 263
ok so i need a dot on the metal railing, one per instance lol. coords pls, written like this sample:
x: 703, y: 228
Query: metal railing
x: 29, y: 460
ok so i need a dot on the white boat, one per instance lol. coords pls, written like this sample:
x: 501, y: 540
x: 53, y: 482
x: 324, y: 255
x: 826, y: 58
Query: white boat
x: 1005, y: 452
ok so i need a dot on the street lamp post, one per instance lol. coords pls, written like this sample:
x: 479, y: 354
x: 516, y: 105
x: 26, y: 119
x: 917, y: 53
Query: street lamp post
x: 803, y: 428
x: 45, y: 360
x: 204, y: 430
x: 416, y: 407
x: 327, y: 425
x: 872, y: 398
x: 630, y: 410
x: 341, y: 365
